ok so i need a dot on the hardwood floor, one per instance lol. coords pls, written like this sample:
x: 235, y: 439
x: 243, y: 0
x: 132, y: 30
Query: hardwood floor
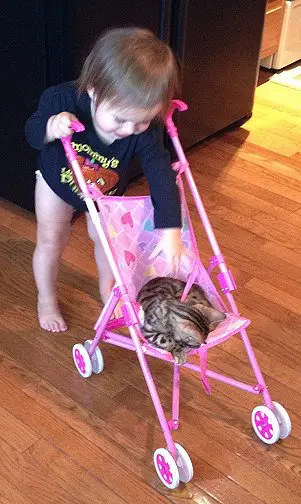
x: 65, y: 439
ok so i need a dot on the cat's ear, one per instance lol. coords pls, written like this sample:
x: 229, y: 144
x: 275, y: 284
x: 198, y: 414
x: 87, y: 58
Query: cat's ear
x: 213, y: 316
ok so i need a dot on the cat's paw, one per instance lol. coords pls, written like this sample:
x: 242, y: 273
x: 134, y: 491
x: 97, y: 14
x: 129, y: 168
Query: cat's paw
x: 141, y: 315
x: 180, y: 358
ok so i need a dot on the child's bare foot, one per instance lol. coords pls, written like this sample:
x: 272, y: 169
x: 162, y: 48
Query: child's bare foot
x: 49, y: 315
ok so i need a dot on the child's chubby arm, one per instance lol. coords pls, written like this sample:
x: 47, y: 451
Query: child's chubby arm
x: 171, y: 246
x: 59, y: 126
x: 52, y: 118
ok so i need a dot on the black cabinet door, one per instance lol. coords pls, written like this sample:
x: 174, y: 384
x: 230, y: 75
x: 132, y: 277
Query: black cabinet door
x: 219, y: 44
x: 83, y: 21
x: 22, y: 81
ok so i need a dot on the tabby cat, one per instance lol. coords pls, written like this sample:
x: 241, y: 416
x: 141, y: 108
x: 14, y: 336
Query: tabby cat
x: 174, y: 326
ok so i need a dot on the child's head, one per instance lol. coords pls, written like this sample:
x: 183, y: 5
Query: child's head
x: 130, y: 69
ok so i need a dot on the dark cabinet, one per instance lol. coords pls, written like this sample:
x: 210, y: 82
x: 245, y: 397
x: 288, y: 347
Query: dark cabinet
x: 22, y: 80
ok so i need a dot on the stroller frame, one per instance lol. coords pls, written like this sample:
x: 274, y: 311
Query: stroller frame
x: 270, y: 421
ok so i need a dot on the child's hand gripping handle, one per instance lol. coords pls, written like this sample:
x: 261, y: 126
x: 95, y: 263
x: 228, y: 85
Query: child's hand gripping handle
x: 66, y: 141
x: 72, y: 156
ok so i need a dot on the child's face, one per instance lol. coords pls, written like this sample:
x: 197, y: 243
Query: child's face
x: 122, y: 122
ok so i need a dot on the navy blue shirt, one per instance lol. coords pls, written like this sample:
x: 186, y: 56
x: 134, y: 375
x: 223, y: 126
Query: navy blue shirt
x: 106, y: 165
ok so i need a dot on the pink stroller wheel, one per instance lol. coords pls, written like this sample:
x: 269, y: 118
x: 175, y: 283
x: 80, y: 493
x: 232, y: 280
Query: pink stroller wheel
x: 283, y: 420
x: 166, y: 468
x: 96, y: 358
x: 184, y: 464
x: 265, y: 424
x: 82, y: 360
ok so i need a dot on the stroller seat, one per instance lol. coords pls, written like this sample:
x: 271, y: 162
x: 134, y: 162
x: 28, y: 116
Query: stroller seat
x: 232, y: 325
x: 129, y: 226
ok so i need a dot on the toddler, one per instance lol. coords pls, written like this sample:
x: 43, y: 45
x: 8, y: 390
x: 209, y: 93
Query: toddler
x: 127, y: 81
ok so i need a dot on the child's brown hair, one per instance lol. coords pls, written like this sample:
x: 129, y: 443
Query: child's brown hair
x: 133, y: 67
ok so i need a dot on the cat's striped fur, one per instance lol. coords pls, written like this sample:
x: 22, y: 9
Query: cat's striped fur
x: 174, y: 326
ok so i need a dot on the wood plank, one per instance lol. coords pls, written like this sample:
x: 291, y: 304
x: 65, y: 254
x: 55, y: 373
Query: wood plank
x: 75, y: 480
x: 296, y: 157
x: 259, y: 156
x: 279, y: 98
x: 32, y: 481
x: 267, y: 255
x: 244, y: 202
x: 9, y: 494
x: 140, y: 378
x: 125, y: 483
x: 285, y: 234
x: 251, y: 173
x: 288, y: 256
x: 288, y: 301
x: 16, y: 433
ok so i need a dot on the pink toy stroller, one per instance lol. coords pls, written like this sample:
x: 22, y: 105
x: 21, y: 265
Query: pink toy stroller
x: 126, y: 230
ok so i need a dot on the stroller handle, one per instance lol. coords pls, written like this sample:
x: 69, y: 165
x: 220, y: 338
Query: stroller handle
x: 66, y: 141
x: 77, y: 126
x: 72, y: 156
x: 170, y: 126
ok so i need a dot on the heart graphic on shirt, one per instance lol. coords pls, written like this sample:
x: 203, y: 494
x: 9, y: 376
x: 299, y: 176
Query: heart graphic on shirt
x: 148, y: 225
x: 129, y: 257
x: 127, y: 219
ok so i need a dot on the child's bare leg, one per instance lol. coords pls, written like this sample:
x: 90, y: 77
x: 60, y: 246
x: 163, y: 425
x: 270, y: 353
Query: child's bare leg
x: 53, y: 228
x: 106, y: 279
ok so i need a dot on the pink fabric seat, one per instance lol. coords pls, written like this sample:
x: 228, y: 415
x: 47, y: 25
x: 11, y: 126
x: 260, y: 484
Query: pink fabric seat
x: 129, y: 226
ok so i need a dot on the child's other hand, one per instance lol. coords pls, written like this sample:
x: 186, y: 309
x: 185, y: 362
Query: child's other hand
x: 59, y: 126
x: 171, y: 246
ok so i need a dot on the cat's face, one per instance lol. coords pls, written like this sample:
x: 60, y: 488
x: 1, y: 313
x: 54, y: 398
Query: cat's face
x: 178, y: 333
x: 178, y: 348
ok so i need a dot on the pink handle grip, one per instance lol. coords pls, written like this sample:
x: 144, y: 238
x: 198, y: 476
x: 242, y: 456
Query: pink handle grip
x: 78, y: 127
x: 175, y: 105
x: 72, y: 157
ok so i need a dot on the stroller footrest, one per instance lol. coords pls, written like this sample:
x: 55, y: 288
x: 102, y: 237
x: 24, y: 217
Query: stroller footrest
x: 227, y: 328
